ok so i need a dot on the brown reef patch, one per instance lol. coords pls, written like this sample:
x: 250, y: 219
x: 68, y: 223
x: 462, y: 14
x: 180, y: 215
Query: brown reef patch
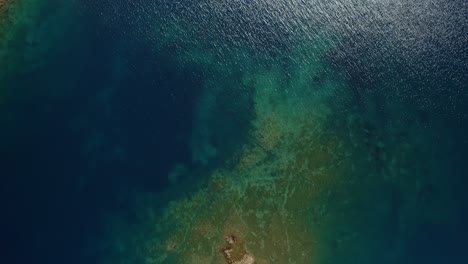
x: 234, y: 252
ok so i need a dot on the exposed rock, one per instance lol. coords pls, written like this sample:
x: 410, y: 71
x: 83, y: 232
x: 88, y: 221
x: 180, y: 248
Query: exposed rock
x: 235, y: 252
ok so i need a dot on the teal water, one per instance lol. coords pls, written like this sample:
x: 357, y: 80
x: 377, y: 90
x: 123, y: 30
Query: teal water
x: 149, y: 131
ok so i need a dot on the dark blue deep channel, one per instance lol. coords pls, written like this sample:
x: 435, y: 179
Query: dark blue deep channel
x: 120, y: 119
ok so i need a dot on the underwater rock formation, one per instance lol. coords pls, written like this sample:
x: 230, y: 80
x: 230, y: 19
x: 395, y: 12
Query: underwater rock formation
x: 269, y: 203
x: 314, y: 181
x: 311, y: 184
x: 235, y: 252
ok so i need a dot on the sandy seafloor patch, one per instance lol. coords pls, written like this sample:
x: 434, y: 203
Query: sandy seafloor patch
x: 262, y: 132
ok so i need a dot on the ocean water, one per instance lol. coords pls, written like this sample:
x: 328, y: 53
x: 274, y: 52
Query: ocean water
x: 214, y: 131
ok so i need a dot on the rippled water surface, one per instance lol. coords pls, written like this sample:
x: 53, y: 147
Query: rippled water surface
x: 214, y: 131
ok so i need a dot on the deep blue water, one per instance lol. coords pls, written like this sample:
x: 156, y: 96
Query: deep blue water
x: 107, y: 117
x: 61, y: 155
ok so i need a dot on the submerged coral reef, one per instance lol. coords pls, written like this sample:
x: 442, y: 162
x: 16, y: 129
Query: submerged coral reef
x: 313, y: 182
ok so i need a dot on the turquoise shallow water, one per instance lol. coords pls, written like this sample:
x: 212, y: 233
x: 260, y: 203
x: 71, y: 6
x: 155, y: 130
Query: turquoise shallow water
x: 229, y: 131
